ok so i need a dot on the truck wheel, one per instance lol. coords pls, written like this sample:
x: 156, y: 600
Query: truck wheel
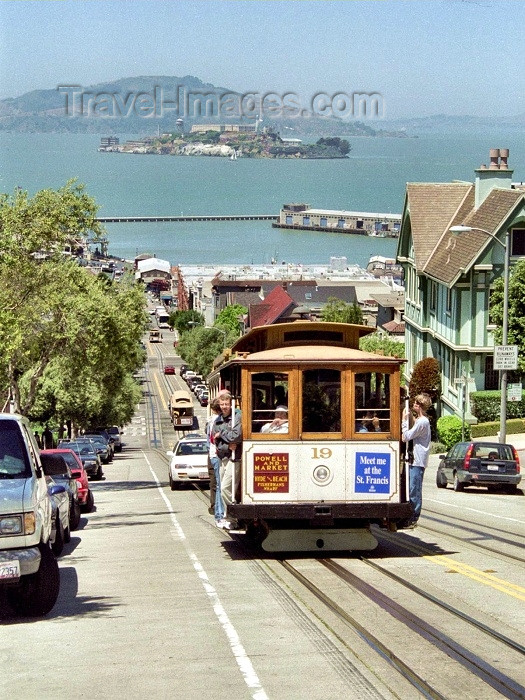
x: 37, y: 593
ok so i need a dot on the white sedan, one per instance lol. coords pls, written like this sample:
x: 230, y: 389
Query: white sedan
x: 188, y: 461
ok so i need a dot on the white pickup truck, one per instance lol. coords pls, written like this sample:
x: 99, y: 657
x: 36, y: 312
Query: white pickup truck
x: 28, y: 569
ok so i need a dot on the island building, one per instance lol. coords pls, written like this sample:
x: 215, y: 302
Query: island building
x: 224, y: 128
x: 301, y: 216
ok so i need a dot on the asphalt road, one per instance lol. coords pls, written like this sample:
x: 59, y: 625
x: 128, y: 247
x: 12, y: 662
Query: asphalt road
x: 156, y: 602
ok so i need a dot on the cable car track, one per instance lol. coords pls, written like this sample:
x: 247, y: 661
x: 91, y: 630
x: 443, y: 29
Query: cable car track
x: 490, y: 675
x: 449, y: 608
x: 470, y: 542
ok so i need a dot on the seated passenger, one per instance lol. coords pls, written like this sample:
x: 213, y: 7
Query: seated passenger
x: 369, y: 424
x: 279, y: 423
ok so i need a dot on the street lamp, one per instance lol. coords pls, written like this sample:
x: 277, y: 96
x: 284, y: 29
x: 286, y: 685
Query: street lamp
x: 506, y: 247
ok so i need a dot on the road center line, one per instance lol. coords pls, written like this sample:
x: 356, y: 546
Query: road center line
x: 243, y: 661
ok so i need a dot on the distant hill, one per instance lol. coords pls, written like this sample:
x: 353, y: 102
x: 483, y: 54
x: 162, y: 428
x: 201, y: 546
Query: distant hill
x: 147, y: 104
x: 446, y: 124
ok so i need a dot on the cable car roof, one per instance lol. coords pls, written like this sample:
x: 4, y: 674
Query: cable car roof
x: 282, y: 335
x: 318, y: 354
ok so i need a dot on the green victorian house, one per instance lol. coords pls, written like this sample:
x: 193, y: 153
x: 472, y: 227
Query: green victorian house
x: 449, y: 277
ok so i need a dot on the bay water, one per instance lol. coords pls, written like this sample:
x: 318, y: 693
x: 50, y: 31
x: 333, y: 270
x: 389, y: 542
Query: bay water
x: 372, y: 179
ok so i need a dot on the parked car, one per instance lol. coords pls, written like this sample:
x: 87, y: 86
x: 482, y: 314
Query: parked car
x: 28, y: 568
x: 187, y: 376
x: 84, y: 493
x: 183, y: 370
x: 89, y: 457
x: 188, y: 460
x: 60, y: 532
x: 198, y: 388
x: 101, y: 445
x: 203, y: 398
x: 56, y: 466
x: 169, y: 369
x: 115, y: 433
x: 488, y: 464
x: 107, y: 437
x: 195, y: 381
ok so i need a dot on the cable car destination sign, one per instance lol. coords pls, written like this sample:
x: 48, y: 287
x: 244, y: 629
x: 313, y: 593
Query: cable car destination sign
x: 506, y: 357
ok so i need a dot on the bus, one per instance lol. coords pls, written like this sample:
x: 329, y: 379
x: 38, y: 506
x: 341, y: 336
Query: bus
x: 339, y: 468
x: 162, y: 317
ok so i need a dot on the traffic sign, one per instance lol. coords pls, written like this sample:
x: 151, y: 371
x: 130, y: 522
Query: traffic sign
x: 514, y: 392
x: 506, y: 357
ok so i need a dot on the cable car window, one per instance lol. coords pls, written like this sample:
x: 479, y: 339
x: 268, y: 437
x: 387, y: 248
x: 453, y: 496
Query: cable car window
x: 321, y: 401
x: 269, y: 391
x: 372, y: 402
x: 305, y: 336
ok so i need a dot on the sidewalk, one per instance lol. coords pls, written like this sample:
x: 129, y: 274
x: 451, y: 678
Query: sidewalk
x: 518, y: 440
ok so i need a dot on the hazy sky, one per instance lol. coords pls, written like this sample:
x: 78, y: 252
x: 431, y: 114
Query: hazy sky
x: 423, y: 56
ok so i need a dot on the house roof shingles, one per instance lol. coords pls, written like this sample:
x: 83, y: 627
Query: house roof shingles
x: 432, y: 207
x: 435, y: 207
x: 276, y: 304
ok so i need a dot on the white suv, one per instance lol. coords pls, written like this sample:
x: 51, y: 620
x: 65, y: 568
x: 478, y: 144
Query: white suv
x: 28, y: 568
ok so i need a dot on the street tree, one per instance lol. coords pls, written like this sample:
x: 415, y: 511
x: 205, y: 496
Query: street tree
x: 34, y: 281
x: 231, y: 318
x: 199, y: 348
x: 62, y: 331
x: 516, y: 315
x: 185, y: 320
x: 90, y: 381
x: 338, y: 311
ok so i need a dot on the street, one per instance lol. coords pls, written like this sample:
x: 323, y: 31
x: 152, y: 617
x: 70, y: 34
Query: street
x: 155, y: 601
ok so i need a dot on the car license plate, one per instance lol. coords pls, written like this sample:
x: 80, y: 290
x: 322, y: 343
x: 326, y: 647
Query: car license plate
x: 492, y: 467
x: 186, y: 421
x: 10, y: 570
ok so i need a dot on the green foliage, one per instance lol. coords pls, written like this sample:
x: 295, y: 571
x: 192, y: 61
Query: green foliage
x: 184, y: 321
x: 382, y: 345
x: 199, y: 347
x: 516, y: 315
x: 338, y: 311
x: 449, y: 430
x: 230, y: 318
x: 206, y: 137
x: 336, y: 143
x: 514, y: 426
x: 69, y: 342
x: 486, y: 406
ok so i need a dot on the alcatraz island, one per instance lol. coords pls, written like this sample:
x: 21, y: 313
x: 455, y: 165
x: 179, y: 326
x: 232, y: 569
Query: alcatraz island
x: 229, y: 141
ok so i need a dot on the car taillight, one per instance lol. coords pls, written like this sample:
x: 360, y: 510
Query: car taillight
x: 466, y: 464
x: 516, y: 457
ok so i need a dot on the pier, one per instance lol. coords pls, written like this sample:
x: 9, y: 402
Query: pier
x: 215, y: 217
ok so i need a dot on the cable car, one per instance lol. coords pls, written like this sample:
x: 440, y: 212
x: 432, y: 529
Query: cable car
x: 337, y: 468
